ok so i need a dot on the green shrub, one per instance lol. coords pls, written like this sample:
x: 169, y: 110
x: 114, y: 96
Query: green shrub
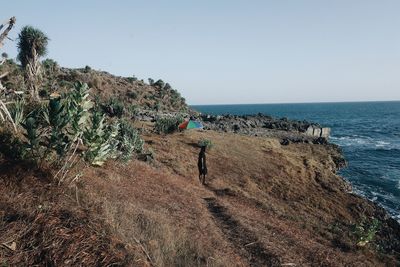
x: 131, y: 94
x: 365, y: 231
x: 151, y: 81
x: 133, y: 110
x: 159, y: 83
x: 100, y: 140
x: 65, y: 83
x: 129, y: 141
x: 158, y: 106
x: 113, y: 108
x: 167, y: 125
x: 167, y: 87
x: 54, y: 131
x: 56, y: 116
x: 78, y: 108
x: 50, y: 66
x: 132, y: 79
x: 11, y: 147
x: 87, y: 69
x: 32, y: 137
x: 206, y: 142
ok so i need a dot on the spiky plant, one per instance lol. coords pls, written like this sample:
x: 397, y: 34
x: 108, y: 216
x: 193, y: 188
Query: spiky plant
x: 32, y: 44
x: 17, y: 111
x: 5, y: 115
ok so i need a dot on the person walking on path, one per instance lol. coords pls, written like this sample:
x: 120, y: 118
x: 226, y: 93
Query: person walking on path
x: 202, y: 165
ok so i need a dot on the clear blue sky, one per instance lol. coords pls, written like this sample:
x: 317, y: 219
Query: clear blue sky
x: 229, y: 51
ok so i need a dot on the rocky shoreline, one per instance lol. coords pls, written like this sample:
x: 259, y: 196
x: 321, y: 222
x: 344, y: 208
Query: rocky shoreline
x: 288, y: 131
x: 264, y: 125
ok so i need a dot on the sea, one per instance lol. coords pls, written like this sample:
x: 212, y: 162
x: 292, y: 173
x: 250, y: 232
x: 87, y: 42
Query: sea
x: 367, y: 132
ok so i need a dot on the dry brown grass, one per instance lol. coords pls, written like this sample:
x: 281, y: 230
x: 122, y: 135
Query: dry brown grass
x: 49, y: 229
x: 150, y: 208
x: 289, y: 196
x: 264, y: 203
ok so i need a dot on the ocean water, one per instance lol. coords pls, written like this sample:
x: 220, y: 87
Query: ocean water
x: 368, y: 132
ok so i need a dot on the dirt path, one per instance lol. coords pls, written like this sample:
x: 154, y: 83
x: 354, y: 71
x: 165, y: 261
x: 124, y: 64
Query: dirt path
x: 242, y: 239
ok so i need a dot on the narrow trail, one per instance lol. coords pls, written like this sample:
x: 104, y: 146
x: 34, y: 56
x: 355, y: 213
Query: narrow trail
x: 244, y: 241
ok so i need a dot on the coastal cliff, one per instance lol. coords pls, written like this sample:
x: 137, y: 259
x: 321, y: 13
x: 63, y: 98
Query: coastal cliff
x: 273, y: 197
x: 264, y: 204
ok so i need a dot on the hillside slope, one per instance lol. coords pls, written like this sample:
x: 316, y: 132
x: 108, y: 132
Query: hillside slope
x: 264, y: 205
x: 129, y: 90
x: 266, y: 202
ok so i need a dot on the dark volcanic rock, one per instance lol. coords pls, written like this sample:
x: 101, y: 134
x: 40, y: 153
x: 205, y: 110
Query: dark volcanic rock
x: 291, y: 131
x: 285, y: 142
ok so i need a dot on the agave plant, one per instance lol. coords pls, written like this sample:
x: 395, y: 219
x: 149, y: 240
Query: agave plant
x: 5, y: 115
x: 17, y: 112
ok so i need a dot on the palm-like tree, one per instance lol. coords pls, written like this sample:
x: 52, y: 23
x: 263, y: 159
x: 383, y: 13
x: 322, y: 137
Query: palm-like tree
x: 32, y: 44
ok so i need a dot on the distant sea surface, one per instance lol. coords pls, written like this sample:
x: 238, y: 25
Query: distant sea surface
x: 368, y: 132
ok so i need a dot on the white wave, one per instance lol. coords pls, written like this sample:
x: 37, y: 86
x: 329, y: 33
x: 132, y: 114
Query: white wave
x: 395, y: 214
x: 381, y: 144
x: 363, y: 141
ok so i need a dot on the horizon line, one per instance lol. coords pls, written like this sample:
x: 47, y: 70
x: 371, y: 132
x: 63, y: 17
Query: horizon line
x: 294, y: 103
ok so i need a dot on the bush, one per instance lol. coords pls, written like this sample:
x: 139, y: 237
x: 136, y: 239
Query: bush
x: 167, y: 125
x: 131, y: 94
x: 50, y: 66
x: 87, y: 69
x: 157, y: 106
x: 206, y: 142
x: 160, y: 84
x: 133, y: 110
x: 43, y: 93
x: 54, y: 131
x: 129, y: 140
x: 100, y: 139
x: 365, y: 231
x: 151, y: 81
x: 132, y: 79
x: 167, y: 87
x: 11, y: 148
x: 113, y: 108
